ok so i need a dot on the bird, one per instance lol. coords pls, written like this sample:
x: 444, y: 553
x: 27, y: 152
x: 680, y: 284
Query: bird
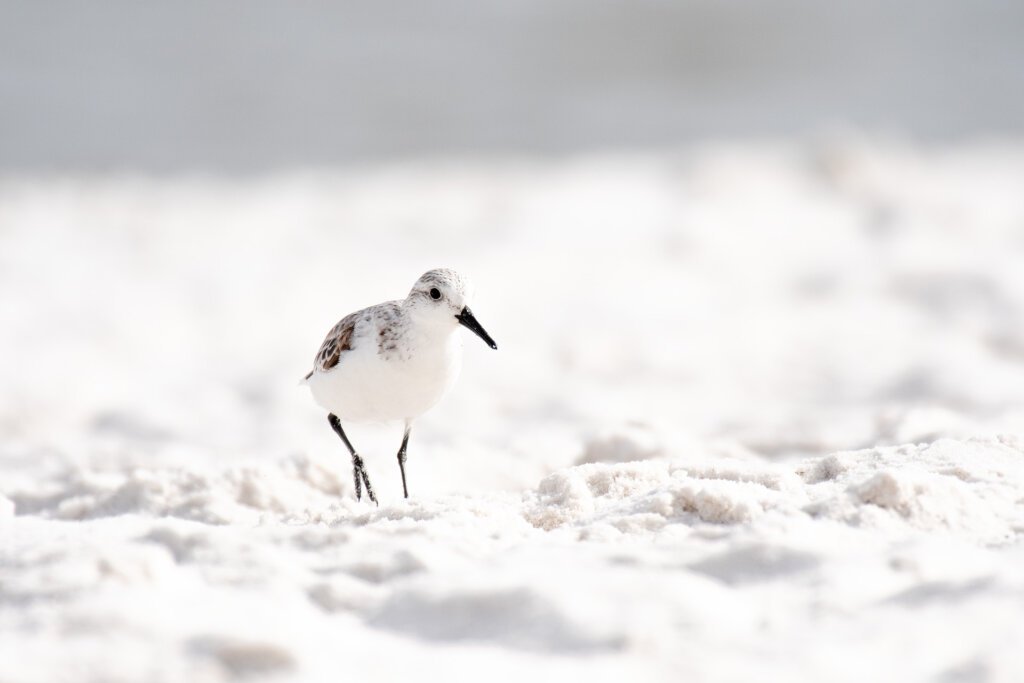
x: 394, y: 361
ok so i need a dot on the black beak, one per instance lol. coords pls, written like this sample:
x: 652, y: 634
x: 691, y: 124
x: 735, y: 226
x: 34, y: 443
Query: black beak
x: 466, y: 319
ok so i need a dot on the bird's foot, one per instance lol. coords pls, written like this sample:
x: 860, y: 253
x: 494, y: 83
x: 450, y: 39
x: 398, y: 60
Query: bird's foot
x: 361, y: 478
x: 369, y: 489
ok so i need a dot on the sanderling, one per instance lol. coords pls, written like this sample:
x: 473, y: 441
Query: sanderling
x: 395, y: 360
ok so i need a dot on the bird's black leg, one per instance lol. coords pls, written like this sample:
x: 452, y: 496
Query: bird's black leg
x: 358, y: 472
x: 401, y: 458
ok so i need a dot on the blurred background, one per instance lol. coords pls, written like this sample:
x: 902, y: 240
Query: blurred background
x: 725, y: 209
x: 244, y: 86
x: 790, y: 225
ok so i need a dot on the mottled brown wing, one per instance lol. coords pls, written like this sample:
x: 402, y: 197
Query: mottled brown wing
x: 338, y: 340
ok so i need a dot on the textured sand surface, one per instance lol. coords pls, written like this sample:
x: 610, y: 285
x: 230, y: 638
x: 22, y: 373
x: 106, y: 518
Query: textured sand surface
x: 757, y: 413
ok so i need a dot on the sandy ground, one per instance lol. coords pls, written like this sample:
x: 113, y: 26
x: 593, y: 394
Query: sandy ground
x: 757, y: 413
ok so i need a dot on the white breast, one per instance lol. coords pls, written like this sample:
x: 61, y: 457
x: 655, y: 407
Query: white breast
x: 370, y: 386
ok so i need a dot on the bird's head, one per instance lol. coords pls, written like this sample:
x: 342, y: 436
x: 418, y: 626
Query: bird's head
x: 442, y: 297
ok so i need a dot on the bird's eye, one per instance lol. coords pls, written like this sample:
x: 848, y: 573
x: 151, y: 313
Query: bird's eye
x: 435, y: 293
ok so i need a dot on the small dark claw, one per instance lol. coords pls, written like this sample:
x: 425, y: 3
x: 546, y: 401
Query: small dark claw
x: 401, y: 459
x: 361, y: 479
x: 369, y: 489
x: 357, y: 469
x: 401, y: 466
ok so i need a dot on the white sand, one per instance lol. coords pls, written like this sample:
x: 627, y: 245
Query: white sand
x: 757, y: 414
